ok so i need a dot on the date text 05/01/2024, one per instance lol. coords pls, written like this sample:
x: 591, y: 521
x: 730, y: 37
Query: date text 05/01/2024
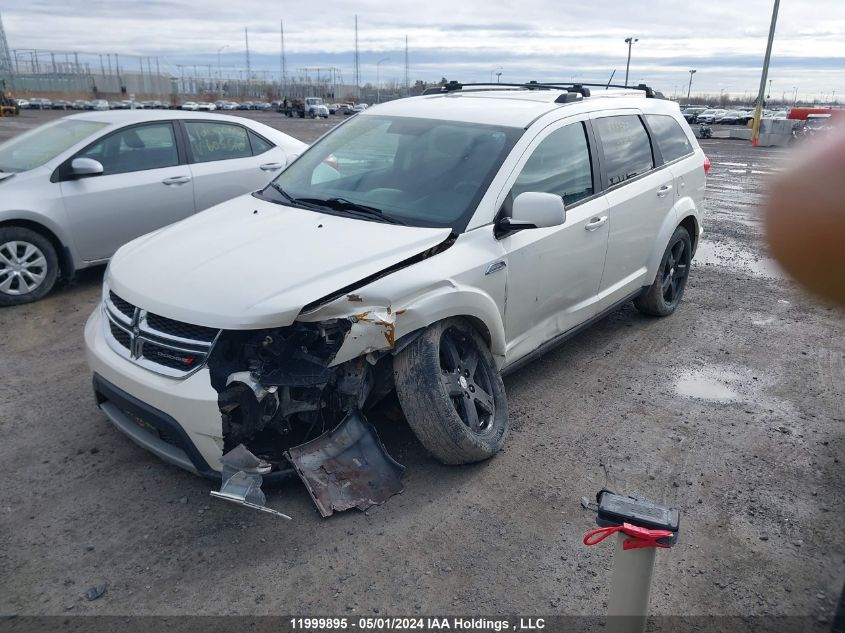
x: 417, y: 624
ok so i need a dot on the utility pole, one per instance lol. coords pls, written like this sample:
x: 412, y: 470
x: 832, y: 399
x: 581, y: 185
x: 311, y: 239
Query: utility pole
x: 220, y: 71
x: 769, y: 96
x: 692, y: 71
x: 758, y: 111
x: 378, y: 78
x: 630, y: 42
x: 357, y: 61
x: 284, y: 77
x: 248, y: 67
x: 407, y: 71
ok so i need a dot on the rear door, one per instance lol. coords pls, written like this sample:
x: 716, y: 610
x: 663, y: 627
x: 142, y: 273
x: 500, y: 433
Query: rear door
x: 639, y: 197
x: 229, y: 160
x: 145, y: 185
x: 676, y: 144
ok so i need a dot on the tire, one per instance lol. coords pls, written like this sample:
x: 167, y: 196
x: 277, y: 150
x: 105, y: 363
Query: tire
x: 663, y: 296
x: 29, y: 266
x: 460, y: 418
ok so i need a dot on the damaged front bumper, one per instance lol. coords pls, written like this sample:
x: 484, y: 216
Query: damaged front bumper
x: 277, y: 393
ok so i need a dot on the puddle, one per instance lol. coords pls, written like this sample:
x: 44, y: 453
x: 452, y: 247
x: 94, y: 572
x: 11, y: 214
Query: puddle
x: 735, y: 257
x: 703, y: 387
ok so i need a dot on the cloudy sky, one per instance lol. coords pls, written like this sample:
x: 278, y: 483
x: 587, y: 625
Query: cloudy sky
x: 467, y: 40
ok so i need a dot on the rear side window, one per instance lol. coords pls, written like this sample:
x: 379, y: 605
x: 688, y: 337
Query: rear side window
x: 217, y: 141
x: 259, y: 145
x: 670, y: 137
x: 560, y: 165
x: 626, y: 146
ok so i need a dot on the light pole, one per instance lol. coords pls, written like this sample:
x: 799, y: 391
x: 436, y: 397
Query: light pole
x: 378, y: 78
x: 498, y: 76
x: 630, y: 42
x: 692, y: 71
x: 220, y: 71
x: 761, y: 93
x: 496, y: 71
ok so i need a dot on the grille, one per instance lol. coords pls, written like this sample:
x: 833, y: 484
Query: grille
x: 125, y: 308
x: 158, y: 343
x: 183, y: 330
x: 120, y: 335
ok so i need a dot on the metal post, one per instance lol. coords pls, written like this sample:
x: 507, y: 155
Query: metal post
x: 630, y: 588
x: 630, y: 41
x: 692, y: 71
x: 758, y: 111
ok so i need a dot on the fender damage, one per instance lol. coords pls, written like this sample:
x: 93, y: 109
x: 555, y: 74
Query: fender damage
x: 293, y: 400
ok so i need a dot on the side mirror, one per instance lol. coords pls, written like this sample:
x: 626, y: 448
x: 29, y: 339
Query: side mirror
x: 86, y: 167
x: 533, y: 210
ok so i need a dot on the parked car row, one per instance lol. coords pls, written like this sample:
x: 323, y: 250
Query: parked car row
x: 739, y: 116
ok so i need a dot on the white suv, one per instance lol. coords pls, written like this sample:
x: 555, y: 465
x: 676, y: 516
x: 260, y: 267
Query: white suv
x: 426, y: 245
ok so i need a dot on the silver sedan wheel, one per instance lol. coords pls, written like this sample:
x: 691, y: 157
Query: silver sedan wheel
x: 23, y: 267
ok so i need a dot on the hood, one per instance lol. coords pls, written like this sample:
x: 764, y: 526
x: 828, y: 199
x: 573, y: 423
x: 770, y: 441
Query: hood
x: 250, y: 264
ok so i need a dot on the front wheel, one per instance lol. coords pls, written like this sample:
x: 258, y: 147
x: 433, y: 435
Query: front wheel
x: 663, y: 296
x: 29, y: 266
x: 451, y: 393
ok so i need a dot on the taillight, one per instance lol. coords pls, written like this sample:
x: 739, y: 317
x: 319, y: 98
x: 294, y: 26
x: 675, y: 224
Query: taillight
x: 706, y: 165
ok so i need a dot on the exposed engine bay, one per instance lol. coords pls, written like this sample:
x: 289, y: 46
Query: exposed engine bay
x: 283, y: 404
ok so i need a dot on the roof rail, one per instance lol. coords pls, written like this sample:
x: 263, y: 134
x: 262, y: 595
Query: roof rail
x: 581, y: 88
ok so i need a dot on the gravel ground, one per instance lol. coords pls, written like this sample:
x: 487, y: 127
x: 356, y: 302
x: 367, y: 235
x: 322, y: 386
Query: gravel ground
x: 732, y: 410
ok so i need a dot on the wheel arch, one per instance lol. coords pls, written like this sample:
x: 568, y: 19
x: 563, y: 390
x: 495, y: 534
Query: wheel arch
x: 62, y: 251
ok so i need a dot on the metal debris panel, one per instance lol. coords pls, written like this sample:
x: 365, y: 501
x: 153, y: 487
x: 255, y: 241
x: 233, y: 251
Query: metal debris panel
x: 347, y: 467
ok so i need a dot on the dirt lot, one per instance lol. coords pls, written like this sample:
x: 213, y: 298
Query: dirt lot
x: 732, y: 410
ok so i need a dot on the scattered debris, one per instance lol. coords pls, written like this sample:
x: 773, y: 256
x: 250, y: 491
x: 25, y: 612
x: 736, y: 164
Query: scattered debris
x: 96, y: 591
x: 347, y: 467
x: 242, y: 481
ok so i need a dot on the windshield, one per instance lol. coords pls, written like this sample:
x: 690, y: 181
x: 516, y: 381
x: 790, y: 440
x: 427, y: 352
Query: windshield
x: 421, y: 172
x: 34, y: 148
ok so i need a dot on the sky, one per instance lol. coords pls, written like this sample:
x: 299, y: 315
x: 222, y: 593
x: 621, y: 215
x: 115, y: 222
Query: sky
x: 470, y: 40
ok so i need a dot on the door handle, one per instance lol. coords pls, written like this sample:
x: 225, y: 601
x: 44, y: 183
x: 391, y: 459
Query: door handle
x: 664, y: 190
x: 271, y: 166
x: 595, y: 223
x: 176, y: 180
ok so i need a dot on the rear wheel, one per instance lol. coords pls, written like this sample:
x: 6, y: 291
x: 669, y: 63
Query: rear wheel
x: 29, y: 265
x: 451, y: 393
x: 663, y: 296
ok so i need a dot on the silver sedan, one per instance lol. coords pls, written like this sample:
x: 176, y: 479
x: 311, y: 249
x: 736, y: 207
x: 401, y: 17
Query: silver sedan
x: 73, y: 191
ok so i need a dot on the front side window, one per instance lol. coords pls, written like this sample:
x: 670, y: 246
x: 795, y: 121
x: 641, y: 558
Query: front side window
x: 626, y: 147
x: 217, y: 141
x: 136, y: 149
x: 423, y: 172
x: 670, y: 137
x: 34, y: 148
x: 560, y: 164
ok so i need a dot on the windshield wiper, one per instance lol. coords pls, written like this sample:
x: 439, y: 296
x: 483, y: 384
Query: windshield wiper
x: 342, y: 204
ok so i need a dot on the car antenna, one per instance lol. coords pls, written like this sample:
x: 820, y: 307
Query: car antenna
x: 609, y: 81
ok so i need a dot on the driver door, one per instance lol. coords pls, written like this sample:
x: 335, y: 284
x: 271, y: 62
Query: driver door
x: 554, y: 273
x: 143, y: 187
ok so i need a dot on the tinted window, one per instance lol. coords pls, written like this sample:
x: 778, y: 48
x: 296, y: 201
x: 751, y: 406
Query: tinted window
x: 669, y: 135
x: 217, y: 141
x: 627, y: 149
x: 560, y: 164
x: 136, y: 149
x: 259, y: 145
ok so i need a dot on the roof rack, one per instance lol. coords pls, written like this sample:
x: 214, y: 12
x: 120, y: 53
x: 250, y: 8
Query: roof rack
x: 578, y: 88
